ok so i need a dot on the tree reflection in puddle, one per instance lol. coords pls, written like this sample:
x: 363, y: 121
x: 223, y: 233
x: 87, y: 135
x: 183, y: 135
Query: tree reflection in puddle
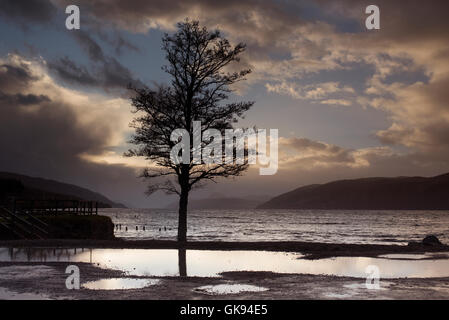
x: 211, y: 263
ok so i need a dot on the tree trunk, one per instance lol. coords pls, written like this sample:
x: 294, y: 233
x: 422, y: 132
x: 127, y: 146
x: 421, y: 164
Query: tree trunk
x: 182, y: 218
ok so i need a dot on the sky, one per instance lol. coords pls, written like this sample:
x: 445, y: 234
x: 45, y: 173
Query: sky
x: 348, y: 102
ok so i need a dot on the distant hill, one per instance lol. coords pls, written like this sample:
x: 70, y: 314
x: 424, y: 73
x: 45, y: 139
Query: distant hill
x: 220, y: 203
x: 26, y: 187
x: 411, y: 193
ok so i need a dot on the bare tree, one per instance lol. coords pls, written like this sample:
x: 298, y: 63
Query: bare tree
x: 198, y: 64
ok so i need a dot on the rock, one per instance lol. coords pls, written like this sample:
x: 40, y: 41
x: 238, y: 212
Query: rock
x: 431, y: 241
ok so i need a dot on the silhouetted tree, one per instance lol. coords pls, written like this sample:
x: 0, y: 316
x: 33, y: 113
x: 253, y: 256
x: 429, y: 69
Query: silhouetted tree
x: 199, y: 64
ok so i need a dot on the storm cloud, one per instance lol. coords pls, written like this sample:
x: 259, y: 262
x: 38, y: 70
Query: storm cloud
x: 45, y: 134
x: 104, y: 71
x: 297, y: 55
x: 27, y: 12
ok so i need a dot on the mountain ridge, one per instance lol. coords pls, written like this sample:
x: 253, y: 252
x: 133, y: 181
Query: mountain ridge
x: 37, y: 187
x: 376, y: 193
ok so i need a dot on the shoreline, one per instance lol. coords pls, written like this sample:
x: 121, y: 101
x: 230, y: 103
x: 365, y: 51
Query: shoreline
x: 311, y: 250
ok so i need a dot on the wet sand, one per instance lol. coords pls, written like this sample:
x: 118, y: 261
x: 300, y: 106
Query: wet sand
x: 47, y: 281
x: 312, y: 250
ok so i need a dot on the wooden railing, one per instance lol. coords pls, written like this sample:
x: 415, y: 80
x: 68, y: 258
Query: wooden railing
x: 22, y: 218
x: 24, y: 226
x: 53, y: 207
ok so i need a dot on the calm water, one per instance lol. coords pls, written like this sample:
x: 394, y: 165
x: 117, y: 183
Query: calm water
x: 120, y: 284
x: 369, y: 226
x: 205, y: 263
x: 229, y: 289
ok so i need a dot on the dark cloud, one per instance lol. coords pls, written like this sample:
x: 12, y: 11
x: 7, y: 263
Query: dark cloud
x: 402, y: 21
x: 139, y: 13
x: 121, y: 43
x: 31, y: 12
x: 116, y: 75
x: 59, y: 131
x: 114, y: 38
x: 27, y: 12
x: 13, y: 76
x: 260, y: 24
x: 92, y: 48
x: 105, y: 71
x: 47, y: 140
x: 22, y: 99
x: 70, y: 72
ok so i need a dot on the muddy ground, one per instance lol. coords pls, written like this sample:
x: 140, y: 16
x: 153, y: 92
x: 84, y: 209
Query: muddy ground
x: 47, y: 281
x: 44, y: 280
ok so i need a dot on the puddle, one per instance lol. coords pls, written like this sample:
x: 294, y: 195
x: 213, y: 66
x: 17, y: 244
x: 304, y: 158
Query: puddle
x: 160, y: 263
x: 404, y: 256
x: 427, y: 255
x: 207, y: 263
x: 120, y: 284
x: 222, y: 289
x: 338, y: 296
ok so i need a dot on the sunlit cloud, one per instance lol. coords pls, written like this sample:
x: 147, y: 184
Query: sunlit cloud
x: 401, y: 72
